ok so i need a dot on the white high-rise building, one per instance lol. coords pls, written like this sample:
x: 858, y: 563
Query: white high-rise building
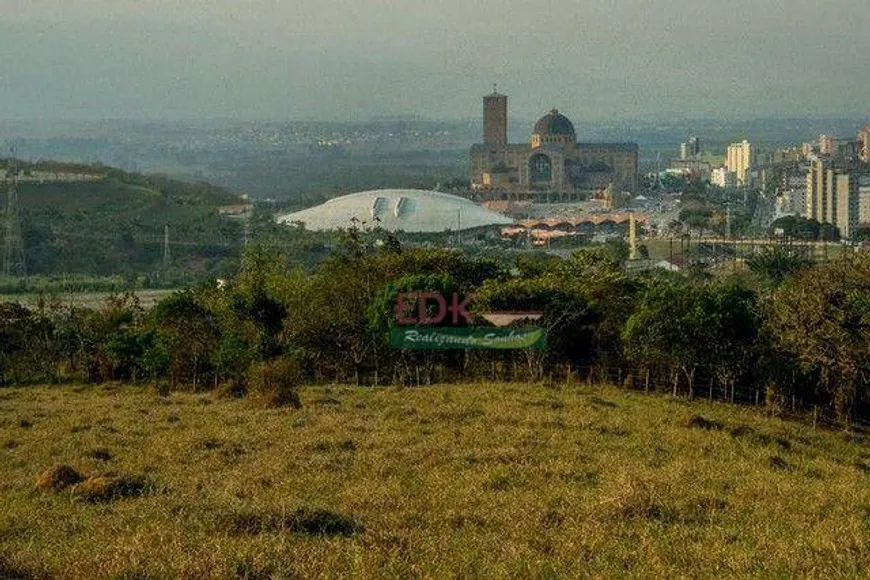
x: 833, y: 195
x: 739, y: 160
x: 723, y: 178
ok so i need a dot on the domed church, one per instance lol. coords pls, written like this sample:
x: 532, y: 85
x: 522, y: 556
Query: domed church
x: 553, y: 166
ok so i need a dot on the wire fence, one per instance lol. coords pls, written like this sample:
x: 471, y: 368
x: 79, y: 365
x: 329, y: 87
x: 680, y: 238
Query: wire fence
x: 704, y: 386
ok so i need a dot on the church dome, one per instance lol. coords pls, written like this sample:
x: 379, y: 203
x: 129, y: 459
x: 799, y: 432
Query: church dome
x: 554, y: 123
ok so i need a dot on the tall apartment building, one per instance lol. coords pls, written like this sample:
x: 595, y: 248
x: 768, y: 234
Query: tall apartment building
x: 723, y: 178
x: 839, y: 147
x: 864, y: 143
x: 690, y: 149
x: 833, y: 194
x: 864, y: 204
x: 739, y: 160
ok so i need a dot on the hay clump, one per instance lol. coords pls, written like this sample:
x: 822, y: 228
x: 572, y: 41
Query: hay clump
x: 58, y: 478
x: 102, y: 488
x: 273, y: 384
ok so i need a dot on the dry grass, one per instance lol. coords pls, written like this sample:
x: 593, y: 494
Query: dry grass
x: 446, y: 481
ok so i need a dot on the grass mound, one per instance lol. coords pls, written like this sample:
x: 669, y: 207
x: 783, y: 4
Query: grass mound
x: 302, y: 521
x: 14, y: 570
x: 273, y: 384
x: 58, y: 478
x: 699, y: 422
x: 103, y: 488
x: 100, y: 454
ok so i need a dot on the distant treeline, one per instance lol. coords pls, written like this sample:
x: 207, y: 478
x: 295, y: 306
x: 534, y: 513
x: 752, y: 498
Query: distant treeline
x: 787, y: 330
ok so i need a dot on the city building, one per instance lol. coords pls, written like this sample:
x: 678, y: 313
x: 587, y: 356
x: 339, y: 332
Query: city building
x: 786, y: 155
x: 791, y: 202
x: 833, y: 194
x: 552, y: 166
x: 839, y: 147
x: 864, y: 143
x: 864, y: 204
x: 723, y: 178
x: 739, y: 160
x: 690, y: 149
x: 691, y: 169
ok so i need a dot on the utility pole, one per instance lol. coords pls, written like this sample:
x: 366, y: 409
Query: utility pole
x: 728, y: 222
x: 459, y: 226
x: 632, y: 237
x: 167, y: 256
x: 13, y: 243
x: 247, y: 233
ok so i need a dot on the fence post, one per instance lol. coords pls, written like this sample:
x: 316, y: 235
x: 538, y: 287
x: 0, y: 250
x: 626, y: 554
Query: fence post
x: 646, y: 385
x: 815, y: 416
x: 756, y: 397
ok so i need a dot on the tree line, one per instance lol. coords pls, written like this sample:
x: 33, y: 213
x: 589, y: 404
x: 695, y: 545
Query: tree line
x: 785, y: 329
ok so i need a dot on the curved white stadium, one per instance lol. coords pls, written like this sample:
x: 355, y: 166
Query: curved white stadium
x: 408, y: 210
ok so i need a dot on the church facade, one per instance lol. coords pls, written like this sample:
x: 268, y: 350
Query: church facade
x: 552, y: 166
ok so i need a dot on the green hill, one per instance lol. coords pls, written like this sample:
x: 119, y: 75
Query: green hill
x: 115, y: 224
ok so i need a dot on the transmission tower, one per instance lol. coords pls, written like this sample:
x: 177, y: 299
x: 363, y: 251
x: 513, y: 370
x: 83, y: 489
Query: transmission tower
x: 13, y: 244
x: 167, y: 256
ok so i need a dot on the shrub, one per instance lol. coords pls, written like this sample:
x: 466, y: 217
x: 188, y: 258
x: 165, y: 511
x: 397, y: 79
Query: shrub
x: 273, y: 384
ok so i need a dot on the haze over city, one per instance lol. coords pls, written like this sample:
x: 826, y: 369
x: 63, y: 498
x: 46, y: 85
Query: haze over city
x: 333, y: 60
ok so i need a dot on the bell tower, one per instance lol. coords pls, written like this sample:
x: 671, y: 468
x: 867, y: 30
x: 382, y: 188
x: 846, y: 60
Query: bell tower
x: 495, y: 119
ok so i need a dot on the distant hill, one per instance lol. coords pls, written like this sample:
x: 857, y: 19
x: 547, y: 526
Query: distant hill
x: 97, y: 220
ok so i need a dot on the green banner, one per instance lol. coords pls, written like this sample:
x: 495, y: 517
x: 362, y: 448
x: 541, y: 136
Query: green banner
x: 477, y: 337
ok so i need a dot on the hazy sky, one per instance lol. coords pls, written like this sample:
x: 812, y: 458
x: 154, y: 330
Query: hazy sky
x: 351, y: 59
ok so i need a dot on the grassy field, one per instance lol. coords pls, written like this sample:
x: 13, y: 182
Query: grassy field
x: 96, y: 300
x: 444, y: 481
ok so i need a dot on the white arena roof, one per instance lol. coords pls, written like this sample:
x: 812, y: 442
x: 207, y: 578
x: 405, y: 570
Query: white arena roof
x: 408, y: 210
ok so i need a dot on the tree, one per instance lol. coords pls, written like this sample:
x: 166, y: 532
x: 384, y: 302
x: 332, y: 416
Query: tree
x: 732, y: 324
x: 776, y: 263
x: 186, y: 336
x: 115, y: 339
x: 666, y: 329
x: 822, y: 317
x: 256, y: 294
x: 14, y: 330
